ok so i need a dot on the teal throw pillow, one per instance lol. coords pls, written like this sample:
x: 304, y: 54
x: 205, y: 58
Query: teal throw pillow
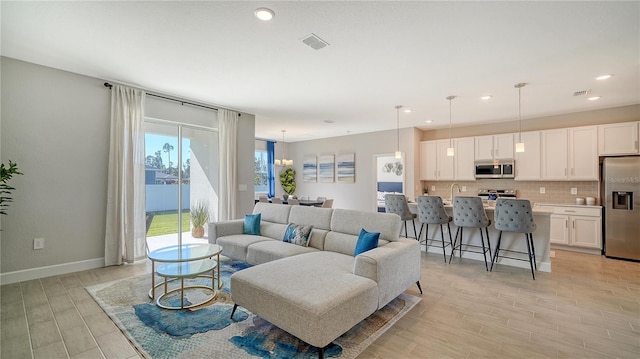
x: 366, y: 241
x: 298, y: 234
x: 252, y: 224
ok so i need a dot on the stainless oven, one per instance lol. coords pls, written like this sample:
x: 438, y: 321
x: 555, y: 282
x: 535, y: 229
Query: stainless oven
x: 498, y: 169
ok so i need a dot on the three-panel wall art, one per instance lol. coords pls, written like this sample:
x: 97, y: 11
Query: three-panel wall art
x: 329, y: 168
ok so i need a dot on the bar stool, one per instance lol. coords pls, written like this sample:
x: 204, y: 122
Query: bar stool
x: 515, y: 215
x: 468, y: 212
x: 431, y: 211
x: 397, y: 203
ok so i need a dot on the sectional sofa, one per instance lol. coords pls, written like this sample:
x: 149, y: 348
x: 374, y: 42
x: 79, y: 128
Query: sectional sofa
x: 319, y: 291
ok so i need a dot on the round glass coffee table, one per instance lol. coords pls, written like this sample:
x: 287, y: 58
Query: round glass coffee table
x: 185, y: 261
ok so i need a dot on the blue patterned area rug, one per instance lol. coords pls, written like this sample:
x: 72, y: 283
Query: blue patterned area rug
x: 208, y: 332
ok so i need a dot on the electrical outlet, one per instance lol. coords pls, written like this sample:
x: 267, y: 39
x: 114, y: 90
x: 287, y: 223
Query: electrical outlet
x: 433, y: 188
x: 574, y: 190
x: 38, y: 243
x: 464, y: 188
x: 542, y: 190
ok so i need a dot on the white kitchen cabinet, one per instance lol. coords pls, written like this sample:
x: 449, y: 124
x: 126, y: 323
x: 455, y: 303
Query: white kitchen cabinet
x: 494, y: 147
x: 428, y: 161
x: 463, y: 159
x: 583, y: 153
x: 528, y: 162
x: 618, y: 139
x: 435, y: 165
x: 554, y: 154
x: 570, y: 154
x: 579, y: 227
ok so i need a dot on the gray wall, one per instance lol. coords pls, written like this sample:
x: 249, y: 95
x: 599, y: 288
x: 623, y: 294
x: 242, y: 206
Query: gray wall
x: 55, y: 125
x: 360, y: 195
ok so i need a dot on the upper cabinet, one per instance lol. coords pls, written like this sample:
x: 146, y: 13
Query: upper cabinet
x: 528, y: 162
x: 583, y: 153
x: 494, y: 147
x: 618, y: 139
x: 463, y: 159
x: 435, y: 165
x: 554, y: 154
x: 569, y: 154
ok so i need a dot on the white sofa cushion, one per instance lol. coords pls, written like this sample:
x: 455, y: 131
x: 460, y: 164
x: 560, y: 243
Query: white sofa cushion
x: 315, y: 308
x: 268, y: 251
x: 235, y: 246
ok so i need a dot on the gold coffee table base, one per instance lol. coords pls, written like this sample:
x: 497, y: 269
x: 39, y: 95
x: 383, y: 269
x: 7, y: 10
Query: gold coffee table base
x: 187, y: 270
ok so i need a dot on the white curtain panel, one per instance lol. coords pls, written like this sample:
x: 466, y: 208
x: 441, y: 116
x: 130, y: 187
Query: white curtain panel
x: 228, y: 132
x: 125, y: 232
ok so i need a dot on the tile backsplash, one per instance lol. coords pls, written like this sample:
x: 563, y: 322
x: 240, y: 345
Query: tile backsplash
x: 556, y: 192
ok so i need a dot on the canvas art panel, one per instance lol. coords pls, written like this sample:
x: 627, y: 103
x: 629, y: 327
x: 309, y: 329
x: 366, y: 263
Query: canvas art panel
x: 310, y: 169
x: 346, y: 168
x: 326, y: 168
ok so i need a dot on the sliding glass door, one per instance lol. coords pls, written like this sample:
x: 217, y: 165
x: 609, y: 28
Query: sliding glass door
x: 181, y: 182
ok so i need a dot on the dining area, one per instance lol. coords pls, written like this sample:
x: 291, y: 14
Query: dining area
x: 323, y: 202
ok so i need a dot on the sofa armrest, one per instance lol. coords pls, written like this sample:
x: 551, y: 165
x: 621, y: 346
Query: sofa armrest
x: 394, y: 266
x: 225, y: 228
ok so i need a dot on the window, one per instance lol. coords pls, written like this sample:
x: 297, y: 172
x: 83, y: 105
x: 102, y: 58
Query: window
x: 261, y: 177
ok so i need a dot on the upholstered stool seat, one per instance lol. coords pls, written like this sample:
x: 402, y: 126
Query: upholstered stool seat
x: 397, y: 203
x: 431, y: 211
x: 468, y: 212
x: 515, y: 215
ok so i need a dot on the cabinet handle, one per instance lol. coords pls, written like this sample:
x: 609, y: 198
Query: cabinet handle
x: 573, y: 171
x: 570, y: 211
x: 566, y: 223
x: 565, y: 171
x: 573, y: 224
x: 636, y: 145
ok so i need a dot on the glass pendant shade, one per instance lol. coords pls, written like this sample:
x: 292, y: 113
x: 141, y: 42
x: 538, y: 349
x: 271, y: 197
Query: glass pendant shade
x: 450, y: 152
x: 283, y: 161
x: 520, y: 144
x: 398, y: 154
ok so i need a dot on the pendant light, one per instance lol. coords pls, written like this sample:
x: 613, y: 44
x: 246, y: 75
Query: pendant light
x: 284, y: 161
x: 520, y: 144
x: 450, y: 150
x: 398, y: 153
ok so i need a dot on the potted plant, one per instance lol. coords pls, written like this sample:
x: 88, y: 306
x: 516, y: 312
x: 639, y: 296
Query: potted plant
x: 5, y: 175
x: 288, y: 181
x: 199, y: 217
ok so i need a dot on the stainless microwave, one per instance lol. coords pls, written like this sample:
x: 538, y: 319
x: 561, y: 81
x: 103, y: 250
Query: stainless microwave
x: 499, y: 169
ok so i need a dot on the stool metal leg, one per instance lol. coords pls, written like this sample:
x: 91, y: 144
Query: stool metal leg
x: 455, y: 241
x: 486, y: 231
x: 443, y: 251
x: 484, y: 250
x: 414, y: 227
x: 495, y: 254
x: 530, y: 257
x: 533, y: 251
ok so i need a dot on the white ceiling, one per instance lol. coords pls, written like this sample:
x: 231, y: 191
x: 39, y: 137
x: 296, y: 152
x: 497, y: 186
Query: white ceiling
x: 381, y: 54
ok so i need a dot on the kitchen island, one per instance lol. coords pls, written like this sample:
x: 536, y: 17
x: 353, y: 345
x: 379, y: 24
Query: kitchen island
x: 510, y: 241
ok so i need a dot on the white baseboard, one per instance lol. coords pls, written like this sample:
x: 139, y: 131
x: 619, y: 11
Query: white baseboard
x: 48, y: 271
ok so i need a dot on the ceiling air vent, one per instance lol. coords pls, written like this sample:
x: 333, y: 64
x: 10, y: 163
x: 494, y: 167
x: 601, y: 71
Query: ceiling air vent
x: 314, y: 41
x: 582, y: 92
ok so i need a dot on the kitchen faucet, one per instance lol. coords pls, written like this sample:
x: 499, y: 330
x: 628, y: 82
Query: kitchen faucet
x: 452, y: 185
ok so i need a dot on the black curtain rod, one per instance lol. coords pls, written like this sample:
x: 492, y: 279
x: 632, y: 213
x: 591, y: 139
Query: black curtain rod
x: 108, y: 85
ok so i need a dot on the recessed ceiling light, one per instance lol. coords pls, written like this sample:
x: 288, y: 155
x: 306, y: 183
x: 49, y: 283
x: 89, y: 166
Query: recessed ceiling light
x: 328, y: 121
x: 593, y: 98
x: 603, y: 77
x: 428, y: 121
x: 408, y: 110
x: 264, y: 13
x: 487, y: 97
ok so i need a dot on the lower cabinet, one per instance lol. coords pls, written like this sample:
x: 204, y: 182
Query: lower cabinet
x: 577, y: 227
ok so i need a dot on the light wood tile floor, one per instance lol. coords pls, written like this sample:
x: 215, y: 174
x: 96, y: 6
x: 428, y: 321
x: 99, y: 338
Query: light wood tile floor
x: 589, y: 307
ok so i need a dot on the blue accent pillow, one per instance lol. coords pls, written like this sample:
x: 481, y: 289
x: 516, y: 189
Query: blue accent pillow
x: 366, y: 241
x: 252, y: 224
x: 297, y: 234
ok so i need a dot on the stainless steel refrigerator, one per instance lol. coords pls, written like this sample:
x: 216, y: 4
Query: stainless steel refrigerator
x: 620, y: 185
